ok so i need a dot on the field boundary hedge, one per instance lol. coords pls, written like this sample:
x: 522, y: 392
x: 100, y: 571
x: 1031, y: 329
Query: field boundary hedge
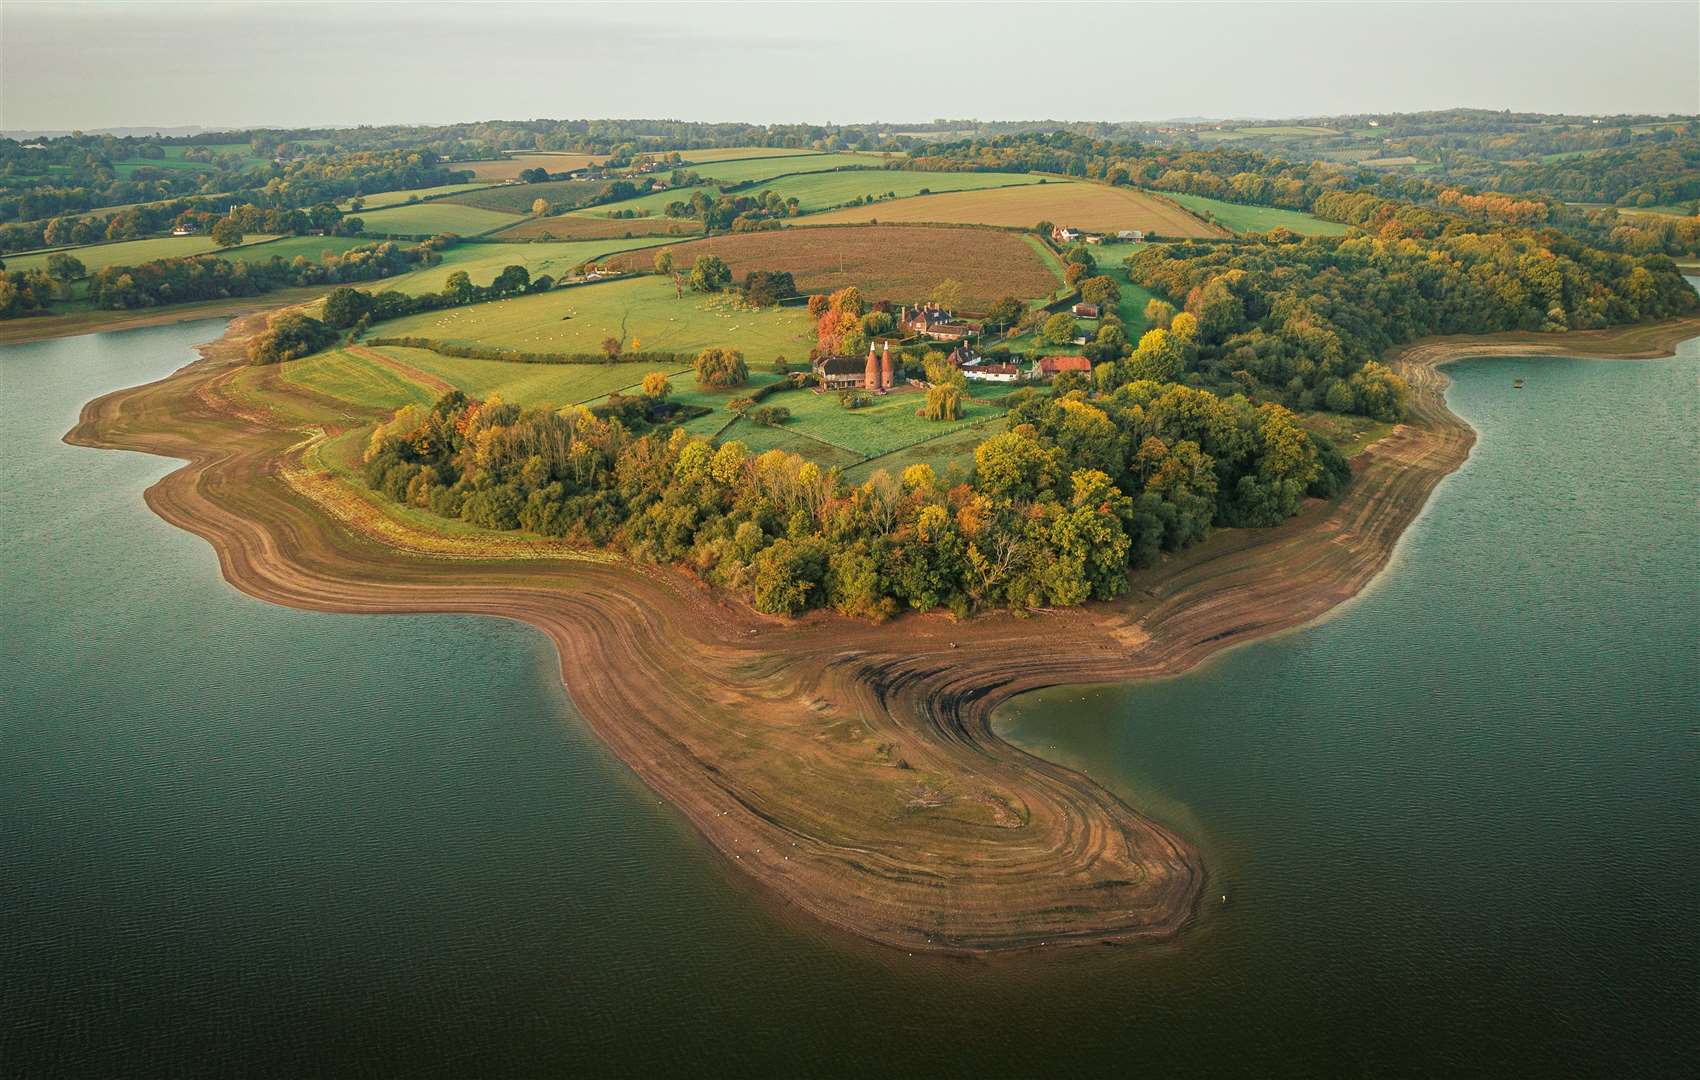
x: 515, y: 356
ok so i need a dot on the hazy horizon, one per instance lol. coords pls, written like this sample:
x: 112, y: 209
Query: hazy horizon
x: 237, y: 65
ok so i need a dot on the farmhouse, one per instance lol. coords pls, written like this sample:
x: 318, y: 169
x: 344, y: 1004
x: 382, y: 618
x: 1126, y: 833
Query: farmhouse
x: 932, y: 321
x: 1085, y: 310
x: 1064, y: 235
x: 962, y: 356
x: 1050, y: 366
x: 1131, y: 234
x: 854, y: 373
x: 1003, y: 373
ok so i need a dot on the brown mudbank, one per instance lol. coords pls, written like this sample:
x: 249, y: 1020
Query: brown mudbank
x: 850, y: 768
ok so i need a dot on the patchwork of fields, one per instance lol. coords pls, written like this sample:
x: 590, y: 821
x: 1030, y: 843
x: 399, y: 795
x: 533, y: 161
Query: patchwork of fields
x: 587, y: 226
x: 1085, y: 206
x: 382, y: 199
x: 886, y: 434
x: 643, y: 313
x: 727, y: 153
x: 133, y: 252
x: 897, y: 262
x: 741, y: 171
x: 482, y: 262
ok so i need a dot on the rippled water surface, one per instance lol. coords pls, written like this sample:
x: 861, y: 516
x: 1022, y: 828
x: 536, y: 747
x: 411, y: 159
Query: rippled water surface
x: 1456, y: 824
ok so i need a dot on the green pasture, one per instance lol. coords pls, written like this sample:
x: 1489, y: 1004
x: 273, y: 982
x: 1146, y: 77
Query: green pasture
x: 728, y: 153
x: 1248, y: 219
x: 760, y: 438
x: 517, y: 198
x: 533, y: 384
x: 355, y: 380
x: 886, y: 424
x: 433, y: 218
x: 312, y: 248
x: 482, y: 262
x: 643, y: 312
x: 738, y: 172
x: 825, y: 190
x: 383, y: 199
x: 132, y: 252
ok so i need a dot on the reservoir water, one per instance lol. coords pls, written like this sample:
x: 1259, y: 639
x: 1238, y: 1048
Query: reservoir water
x: 1457, y: 824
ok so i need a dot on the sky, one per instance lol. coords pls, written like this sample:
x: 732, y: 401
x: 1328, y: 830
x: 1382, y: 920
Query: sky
x: 85, y: 65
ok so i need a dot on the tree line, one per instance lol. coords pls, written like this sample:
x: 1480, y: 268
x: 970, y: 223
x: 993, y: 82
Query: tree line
x: 1302, y: 321
x: 1058, y: 508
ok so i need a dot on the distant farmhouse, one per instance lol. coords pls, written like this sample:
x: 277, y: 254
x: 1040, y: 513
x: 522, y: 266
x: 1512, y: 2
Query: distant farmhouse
x: 932, y: 321
x: 1064, y: 235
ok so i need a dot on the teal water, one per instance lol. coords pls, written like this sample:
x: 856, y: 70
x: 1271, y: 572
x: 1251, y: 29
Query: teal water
x: 1456, y: 822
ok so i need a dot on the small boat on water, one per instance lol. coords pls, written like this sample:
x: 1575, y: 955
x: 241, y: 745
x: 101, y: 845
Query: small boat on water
x: 1517, y: 385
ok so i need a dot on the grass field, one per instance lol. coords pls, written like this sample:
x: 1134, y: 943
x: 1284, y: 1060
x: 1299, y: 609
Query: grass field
x: 130, y: 252
x: 888, y: 424
x: 737, y: 172
x: 508, y: 168
x: 531, y: 384
x: 1249, y: 219
x: 379, y: 200
x: 895, y: 262
x: 517, y: 198
x: 432, y: 218
x: 642, y: 312
x: 820, y: 191
x: 587, y: 226
x: 726, y: 153
x: 356, y: 380
x: 1085, y: 206
x: 312, y: 248
x: 482, y: 262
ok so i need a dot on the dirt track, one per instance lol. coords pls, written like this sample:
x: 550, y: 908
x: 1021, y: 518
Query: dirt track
x: 851, y: 769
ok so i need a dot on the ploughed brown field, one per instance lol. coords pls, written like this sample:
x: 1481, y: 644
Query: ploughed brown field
x: 508, y: 168
x: 585, y: 227
x: 887, y: 262
x: 851, y: 769
x: 1095, y: 207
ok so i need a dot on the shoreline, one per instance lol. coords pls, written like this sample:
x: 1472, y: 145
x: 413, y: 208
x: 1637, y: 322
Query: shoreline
x: 851, y: 770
